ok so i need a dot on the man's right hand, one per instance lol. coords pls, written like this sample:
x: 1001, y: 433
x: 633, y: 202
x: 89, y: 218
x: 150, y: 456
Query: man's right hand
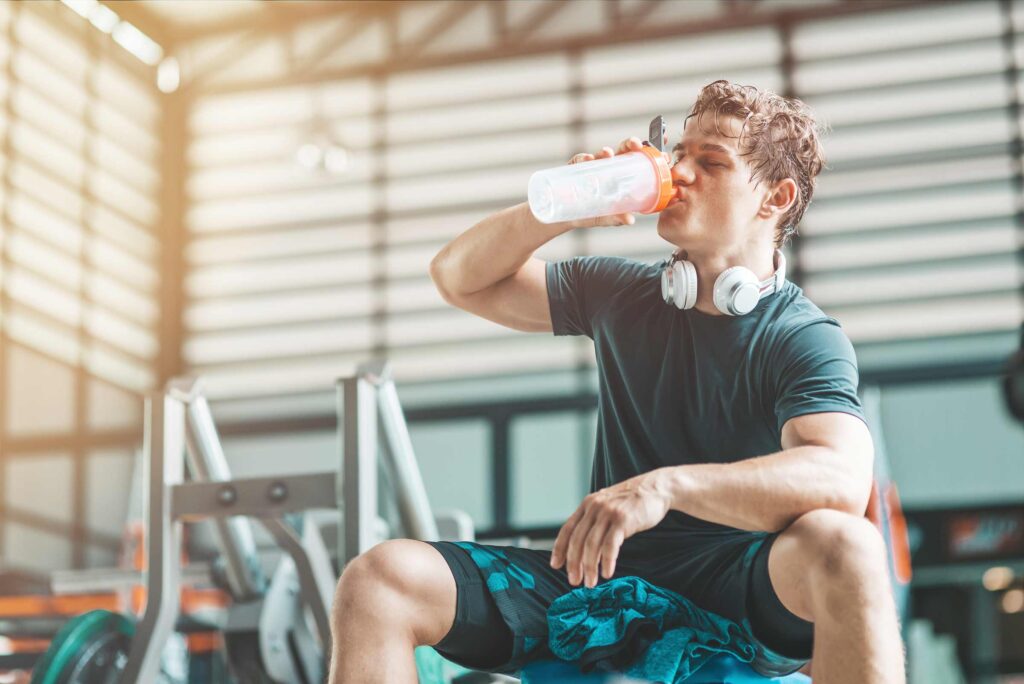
x: 627, y: 145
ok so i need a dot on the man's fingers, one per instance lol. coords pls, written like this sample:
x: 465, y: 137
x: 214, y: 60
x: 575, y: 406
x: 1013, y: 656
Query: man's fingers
x: 610, y: 551
x: 592, y: 548
x: 562, y: 540
x: 633, y: 144
x: 574, y: 554
x: 581, y: 157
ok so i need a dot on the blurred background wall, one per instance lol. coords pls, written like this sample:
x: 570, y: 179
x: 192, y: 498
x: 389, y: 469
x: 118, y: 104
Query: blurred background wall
x: 252, y: 191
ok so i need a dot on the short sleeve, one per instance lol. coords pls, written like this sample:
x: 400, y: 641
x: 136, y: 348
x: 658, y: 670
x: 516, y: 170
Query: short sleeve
x: 816, y: 372
x: 579, y: 288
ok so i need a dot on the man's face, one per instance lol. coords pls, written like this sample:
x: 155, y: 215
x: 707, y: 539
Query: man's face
x: 717, y: 205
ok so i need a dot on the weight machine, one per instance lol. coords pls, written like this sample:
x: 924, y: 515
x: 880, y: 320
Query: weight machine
x: 278, y: 627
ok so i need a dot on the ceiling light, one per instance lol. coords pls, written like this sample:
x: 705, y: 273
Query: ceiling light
x: 336, y: 160
x: 103, y: 18
x: 309, y: 156
x: 138, y: 43
x: 168, y: 75
x: 82, y: 8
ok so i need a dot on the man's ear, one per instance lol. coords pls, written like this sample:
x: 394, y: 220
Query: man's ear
x: 783, y: 195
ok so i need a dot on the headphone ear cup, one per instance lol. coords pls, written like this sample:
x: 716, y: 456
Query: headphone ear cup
x: 679, y: 285
x: 688, y: 280
x: 737, y: 291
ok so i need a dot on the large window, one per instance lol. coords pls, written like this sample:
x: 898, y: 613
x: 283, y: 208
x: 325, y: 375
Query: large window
x: 80, y: 181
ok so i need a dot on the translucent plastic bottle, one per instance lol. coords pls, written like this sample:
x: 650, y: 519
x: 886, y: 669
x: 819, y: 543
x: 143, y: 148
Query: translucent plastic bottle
x: 633, y: 182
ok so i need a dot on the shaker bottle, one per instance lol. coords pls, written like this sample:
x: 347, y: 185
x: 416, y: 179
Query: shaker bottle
x: 632, y: 182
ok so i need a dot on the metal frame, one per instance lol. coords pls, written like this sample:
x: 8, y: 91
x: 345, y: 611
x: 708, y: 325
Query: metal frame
x: 163, y: 469
x: 179, y: 420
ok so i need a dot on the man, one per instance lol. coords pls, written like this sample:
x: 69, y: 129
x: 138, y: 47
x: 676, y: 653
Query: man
x: 732, y: 463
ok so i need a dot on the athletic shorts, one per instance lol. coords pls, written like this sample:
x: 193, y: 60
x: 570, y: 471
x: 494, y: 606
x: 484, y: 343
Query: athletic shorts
x: 503, y: 627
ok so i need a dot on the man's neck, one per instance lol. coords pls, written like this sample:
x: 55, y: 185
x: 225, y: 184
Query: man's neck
x: 709, y: 266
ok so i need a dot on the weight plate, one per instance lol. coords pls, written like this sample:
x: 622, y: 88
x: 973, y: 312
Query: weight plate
x: 91, y: 648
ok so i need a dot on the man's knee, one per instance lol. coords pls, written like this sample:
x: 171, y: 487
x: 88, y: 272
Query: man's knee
x: 837, y: 545
x: 400, y: 580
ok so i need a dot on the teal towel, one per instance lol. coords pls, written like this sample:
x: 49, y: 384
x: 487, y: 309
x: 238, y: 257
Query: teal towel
x: 630, y: 626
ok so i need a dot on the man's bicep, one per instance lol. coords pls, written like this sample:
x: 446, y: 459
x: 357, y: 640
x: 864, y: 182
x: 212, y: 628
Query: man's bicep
x: 519, y: 302
x: 843, y: 433
x: 832, y: 429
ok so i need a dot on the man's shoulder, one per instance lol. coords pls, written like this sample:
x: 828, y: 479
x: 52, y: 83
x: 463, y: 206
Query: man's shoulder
x: 604, y: 271
x: 797, y: 322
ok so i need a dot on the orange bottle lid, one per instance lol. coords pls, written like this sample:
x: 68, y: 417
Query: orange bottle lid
x: 664, y: 175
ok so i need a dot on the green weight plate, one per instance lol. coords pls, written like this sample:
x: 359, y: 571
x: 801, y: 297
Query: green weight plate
x: 91, y: 648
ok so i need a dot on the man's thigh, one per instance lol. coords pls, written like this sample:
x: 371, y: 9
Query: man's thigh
x: 504, y: 593
x: 728, y: 575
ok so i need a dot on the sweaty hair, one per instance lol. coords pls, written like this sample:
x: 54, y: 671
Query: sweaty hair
x: 779, y: 138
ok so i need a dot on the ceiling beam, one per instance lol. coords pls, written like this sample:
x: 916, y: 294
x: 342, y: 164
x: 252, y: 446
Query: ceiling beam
x: 285, y: 16
x: 448, y: 18
x: 517, y: 47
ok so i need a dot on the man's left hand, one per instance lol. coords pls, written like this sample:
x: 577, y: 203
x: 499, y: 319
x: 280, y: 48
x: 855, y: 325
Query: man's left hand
x: 594, y: 533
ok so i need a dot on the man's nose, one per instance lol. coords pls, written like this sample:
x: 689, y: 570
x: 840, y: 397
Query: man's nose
x: 682, y: 172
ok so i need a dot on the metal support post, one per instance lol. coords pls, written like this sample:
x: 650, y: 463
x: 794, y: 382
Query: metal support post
x: 358, y: 485
x: 413, y: 505
x: 163, y: 466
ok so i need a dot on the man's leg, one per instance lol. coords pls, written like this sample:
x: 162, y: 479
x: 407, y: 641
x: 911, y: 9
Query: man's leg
x: 398, y: 595
x: 829, y: 568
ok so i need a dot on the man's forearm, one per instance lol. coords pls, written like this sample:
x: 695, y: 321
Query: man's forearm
x: 767, y: 493
x: 492, y: 250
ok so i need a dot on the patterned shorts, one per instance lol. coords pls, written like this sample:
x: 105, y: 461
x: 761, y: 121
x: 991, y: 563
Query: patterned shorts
x: 504, y: 593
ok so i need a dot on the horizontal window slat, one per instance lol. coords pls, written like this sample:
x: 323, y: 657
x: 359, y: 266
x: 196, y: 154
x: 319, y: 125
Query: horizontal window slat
x: 266, y: 309
x: 908, y: 284
x: 255, y: 212
x: 865, y: 71
x: 34, y: 332
x: 863, y: 251
x: 524, y: 77
x: 282, y: 106
x: 946, y: 134
x: 306, y: 272
x: 278, y: 177
x: 116, y: 296
x: 469, y: 119
x: 726, y: 50
x: 926, y: 319
x: 35, y: 254
x: 873, y: 32
x: 24, y: 286
x: 111, y: 259
x: 922, y: 99
x: 60, y: 87
x: 911, y: 208
x: 136, y: 98
x: 868, y: 183
x: 279, y: 244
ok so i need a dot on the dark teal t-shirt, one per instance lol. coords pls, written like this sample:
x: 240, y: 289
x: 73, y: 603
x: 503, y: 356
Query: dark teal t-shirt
x: 682, y: 387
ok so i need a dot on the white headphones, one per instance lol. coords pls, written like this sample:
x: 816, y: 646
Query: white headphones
x: 737, y: 290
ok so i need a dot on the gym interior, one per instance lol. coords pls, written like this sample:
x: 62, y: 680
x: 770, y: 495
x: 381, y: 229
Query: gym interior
x: 225, y: 370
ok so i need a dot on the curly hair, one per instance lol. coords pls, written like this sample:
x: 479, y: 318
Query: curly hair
x: 780, y: 137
